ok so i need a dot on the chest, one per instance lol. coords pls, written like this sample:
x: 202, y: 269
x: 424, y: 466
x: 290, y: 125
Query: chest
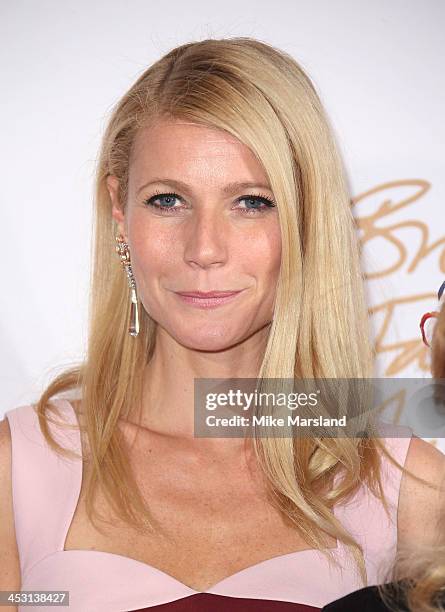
x: 214, y: 518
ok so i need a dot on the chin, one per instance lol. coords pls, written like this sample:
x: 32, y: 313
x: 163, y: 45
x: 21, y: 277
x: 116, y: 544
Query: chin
x: 214, y: 339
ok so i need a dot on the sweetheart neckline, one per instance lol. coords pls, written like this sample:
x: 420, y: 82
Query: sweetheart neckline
x: 336, y: 549
x: 150, y: 567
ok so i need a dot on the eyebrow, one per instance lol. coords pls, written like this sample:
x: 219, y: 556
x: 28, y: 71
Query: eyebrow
x: 229, y: 189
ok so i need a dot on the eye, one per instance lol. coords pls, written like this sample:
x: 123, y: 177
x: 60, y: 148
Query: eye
x: 167, y: 200
x: 255, y: 204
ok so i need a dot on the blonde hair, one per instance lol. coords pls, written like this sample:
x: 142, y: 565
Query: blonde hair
x: 261, y: 96
x: 418, y: 576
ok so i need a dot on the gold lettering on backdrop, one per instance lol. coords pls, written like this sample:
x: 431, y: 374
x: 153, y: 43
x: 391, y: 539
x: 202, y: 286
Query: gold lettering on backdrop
x: 399, y: 400
x: 407, y: 351
x: 370, y: 230
x: 378, y: 225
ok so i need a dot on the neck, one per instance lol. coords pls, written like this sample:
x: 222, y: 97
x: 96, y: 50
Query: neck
x: 168, y: 388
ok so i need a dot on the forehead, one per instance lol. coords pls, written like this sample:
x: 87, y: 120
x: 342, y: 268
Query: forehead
x: 184, y: 147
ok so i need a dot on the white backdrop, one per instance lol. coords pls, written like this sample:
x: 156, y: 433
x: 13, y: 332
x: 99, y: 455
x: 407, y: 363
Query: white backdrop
x: 378, y: 67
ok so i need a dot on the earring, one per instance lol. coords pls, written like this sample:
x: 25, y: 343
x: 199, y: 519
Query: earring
x: 124, y: 254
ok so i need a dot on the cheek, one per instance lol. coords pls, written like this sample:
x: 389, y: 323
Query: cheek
x: 152, y: 248
x: 157, y: 249
x: 263, y: 251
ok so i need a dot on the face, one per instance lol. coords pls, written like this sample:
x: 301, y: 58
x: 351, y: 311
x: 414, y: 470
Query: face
x: 191, y: 226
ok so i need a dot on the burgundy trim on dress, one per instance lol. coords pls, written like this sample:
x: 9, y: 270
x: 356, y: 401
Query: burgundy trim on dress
x: 203, y: 602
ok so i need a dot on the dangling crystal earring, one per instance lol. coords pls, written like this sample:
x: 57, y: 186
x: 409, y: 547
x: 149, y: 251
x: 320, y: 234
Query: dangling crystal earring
x: 124, y: 254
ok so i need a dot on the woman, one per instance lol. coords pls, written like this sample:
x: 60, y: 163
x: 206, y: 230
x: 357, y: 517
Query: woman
x: 218, y: 173
x: 418, y: 577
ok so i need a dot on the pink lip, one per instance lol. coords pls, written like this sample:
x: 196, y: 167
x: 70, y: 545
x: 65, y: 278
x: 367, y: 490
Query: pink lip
x: 209, y: 299
x: 207, y: 294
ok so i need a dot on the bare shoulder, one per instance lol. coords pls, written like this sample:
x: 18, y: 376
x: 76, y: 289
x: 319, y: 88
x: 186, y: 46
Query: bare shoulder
x: 421, y: 505
x: 9, y: 556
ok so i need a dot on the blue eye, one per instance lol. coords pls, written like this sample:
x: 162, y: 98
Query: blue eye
x: 168, y: 198
x: 261, y: 200
x: 256, y: 203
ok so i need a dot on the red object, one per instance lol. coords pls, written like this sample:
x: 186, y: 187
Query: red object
x: 423, y: 320
x: 203, y: 602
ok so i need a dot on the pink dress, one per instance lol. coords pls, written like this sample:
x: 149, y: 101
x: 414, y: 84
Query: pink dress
x: 46, y: 488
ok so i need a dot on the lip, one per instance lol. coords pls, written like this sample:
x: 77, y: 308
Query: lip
x: 207, y: 294
x: 207, y: 299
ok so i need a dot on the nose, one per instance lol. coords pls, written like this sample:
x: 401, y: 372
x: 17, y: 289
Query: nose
x: 206, y: 237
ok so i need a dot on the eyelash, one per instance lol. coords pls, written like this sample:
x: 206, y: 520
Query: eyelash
x: 269, y: 203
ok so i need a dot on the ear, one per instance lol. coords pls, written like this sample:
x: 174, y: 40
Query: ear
x: 117, y: 211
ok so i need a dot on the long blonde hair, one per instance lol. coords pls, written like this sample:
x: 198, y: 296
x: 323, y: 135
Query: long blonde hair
x: 261, y: 96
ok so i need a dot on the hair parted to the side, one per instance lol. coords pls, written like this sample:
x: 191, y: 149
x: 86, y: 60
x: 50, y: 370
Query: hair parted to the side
x: 261, y: 96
